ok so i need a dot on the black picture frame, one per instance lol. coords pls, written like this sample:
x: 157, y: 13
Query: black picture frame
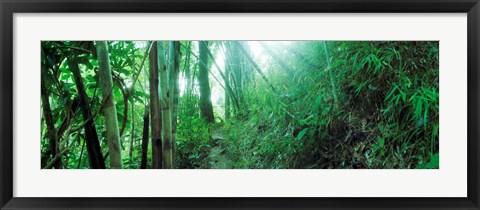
x: 9, y: 7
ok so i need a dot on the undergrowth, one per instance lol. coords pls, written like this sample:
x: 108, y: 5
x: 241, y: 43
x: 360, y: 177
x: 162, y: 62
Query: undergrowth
x: 386, y: 114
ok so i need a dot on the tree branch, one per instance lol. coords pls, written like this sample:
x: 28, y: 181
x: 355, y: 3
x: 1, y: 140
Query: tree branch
x: 55, y: 159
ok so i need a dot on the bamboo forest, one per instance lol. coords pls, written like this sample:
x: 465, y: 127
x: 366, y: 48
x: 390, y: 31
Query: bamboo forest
x: 214, y: 104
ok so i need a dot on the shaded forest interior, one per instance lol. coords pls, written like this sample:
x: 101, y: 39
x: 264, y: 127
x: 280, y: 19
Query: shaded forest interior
x: 239, y: 104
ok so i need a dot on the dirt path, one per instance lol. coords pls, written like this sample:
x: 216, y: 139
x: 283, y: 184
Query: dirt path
x: 218, y: 158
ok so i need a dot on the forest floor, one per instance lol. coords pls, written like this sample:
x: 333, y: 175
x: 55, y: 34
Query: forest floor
x: 218, y: 157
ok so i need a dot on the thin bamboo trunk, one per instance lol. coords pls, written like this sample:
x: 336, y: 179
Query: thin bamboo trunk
x: 155, y: 112
x: 206, y: 109
x: 226, y: 80
x: 176, y: 96
x: 227, y: 86
x: 234, y: 63
x: 166, y: 89
x: 109, y: 110
x: 47, y: 114
x: 146, y: 124
x: 132, y: 133
x: 95, y: 156
x: 81, y: 155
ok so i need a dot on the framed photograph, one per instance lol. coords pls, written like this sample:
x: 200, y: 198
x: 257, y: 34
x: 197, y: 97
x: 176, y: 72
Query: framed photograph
x: 263, y: 104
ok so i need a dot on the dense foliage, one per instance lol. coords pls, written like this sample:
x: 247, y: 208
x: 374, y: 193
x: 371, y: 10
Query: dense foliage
x: 289, y: 104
